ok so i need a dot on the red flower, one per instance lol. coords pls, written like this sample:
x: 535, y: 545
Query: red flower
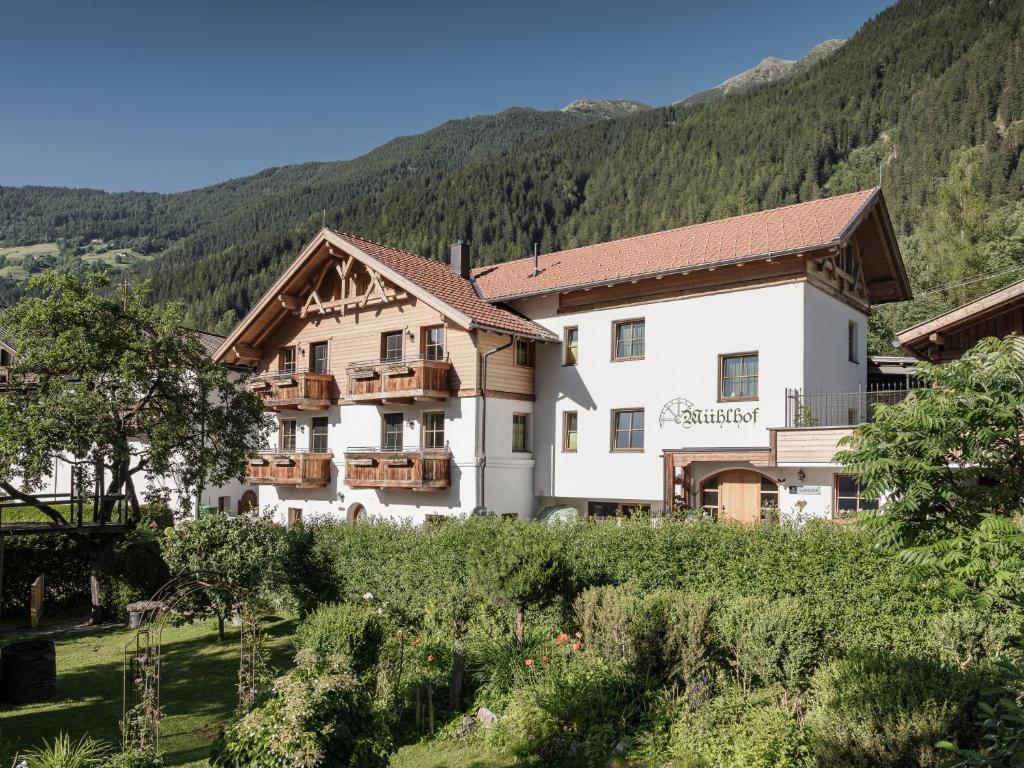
x: 562, y: 638
x: 576, y: 646
x: 529, y: 662
x: 430, y: 659
x: 544, y: 659
x: 417, y: 641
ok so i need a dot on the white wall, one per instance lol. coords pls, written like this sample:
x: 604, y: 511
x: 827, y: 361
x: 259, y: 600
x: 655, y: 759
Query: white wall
x: 683, y: 341
x: 827, y: 367
x: 508, y: 475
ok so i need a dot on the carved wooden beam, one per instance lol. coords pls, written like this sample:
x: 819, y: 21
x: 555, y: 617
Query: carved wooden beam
x: 293, y: 303
x: 245, y: 352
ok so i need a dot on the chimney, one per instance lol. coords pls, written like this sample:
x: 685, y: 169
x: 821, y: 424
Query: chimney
x: 459, y: 258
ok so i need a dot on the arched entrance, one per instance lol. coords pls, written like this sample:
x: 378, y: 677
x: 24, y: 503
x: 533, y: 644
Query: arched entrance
x: 356, y: 513
x: 741, y: 496
x: 248, y: 503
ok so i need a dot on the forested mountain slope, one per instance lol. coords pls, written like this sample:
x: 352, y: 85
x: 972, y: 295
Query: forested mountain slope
x: 931, y: 91
x: 194, y: 223
x: 928, y: 97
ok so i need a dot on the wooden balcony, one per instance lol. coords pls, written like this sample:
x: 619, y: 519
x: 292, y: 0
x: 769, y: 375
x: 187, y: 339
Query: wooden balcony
x: 301, y: 390
x: 398, y: 381
x: 298, y: 469
x: 418, y: 470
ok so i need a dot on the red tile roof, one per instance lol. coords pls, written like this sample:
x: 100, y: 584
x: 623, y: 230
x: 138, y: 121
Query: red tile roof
x: 438, y: 279
x: 793, y: 228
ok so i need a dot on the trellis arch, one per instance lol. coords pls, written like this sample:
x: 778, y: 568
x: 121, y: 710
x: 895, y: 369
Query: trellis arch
x: 140, y: 706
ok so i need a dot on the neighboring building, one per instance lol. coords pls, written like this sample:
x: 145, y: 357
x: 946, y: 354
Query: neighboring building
x: 233, y: 497
x: 714, y: 365
x: 949, y: 335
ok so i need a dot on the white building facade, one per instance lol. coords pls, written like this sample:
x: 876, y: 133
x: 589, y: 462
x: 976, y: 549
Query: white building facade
x: 711, y: 367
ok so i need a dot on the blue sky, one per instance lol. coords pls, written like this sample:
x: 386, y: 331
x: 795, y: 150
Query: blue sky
x: 179, y: 94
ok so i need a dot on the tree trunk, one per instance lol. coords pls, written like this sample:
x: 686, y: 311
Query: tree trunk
x: 220, y: 628
x: 521, y: 624
x: 101, y: 557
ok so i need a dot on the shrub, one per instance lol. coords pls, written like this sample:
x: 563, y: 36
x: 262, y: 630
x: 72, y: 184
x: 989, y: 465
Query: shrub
x: 355, y: 631
x: 318, y: 714
x: 65, y: 753
x: 622, y: 626
x: 690, y: 649
x: 880, y: 709
x: 772, y: 642
x: 135, y: 758
x: 737, y: 731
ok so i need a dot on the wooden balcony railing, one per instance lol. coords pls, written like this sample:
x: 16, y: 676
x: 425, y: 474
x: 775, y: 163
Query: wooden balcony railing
x: 300, y: 469
x: 302, y: 390
x: 415, y: 469
x: 402, y: 380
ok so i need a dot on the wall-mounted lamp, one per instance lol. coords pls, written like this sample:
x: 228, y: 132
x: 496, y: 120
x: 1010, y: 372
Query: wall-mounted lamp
x: 801, y: 476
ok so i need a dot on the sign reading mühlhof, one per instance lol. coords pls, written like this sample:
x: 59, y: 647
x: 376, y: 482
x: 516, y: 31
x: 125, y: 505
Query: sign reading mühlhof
x: 686, y: 414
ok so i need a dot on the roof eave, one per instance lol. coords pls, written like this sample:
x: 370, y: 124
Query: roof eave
x: 666, y: 272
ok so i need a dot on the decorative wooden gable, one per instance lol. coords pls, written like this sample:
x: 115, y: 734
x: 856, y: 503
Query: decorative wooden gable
x: 342, y: 284
x: 843, y: 269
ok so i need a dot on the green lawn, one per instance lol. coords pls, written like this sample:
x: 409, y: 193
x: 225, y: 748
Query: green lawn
x: 198, y: 679
x: 444, y: 754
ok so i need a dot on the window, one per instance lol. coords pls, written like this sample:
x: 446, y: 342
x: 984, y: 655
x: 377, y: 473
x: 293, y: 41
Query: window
x: 286, y: 436
x: 319, y: 441
x: 769, y: 500
x: 6, y: 358
x: 524, y: 353
x: 848, y: 499
x: 709, y: 497
x: 391, y: 345
x: 433, y: 343
x: 433, y: 429
x: 572, y: 346
x: 600, y: 510
x: 392, y: 431
x: 737, y: 376
x: 294, y: 516
x: 520, y: 432
x: 224, y: 504
x: 286, y: 360
x: 628, y: 430
x: 851, y: 342
x: 318, y: 362
x: 629, y: 340
x: 570, y: 423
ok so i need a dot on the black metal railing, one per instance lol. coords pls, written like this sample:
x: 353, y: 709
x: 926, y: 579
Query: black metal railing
x: 838, y: 409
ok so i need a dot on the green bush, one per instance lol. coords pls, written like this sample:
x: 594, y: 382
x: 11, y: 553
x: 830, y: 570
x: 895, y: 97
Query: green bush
x: 623, y: 626
x: 883, y: 709
x: 355, y: 631
x: 317, y: 714
x: 62, y: 752
x: 136, y: 758
x: 737, y: 731
x: 771, y: 642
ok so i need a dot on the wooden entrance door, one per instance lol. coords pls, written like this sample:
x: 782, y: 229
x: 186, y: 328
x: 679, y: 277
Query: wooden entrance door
x: 739, y: 496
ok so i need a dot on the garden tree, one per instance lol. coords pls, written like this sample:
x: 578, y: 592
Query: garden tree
x: 518, y: 565
x: 111, y: 378
x: 243, y: 554
x: 946, y: 463
x: 114, y: 382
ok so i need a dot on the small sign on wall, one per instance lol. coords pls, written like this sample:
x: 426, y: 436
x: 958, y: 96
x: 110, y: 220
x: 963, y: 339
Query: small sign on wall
x: 805, y: 490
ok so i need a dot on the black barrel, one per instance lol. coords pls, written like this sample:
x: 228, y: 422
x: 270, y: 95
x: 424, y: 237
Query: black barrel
x: 28, y: 671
